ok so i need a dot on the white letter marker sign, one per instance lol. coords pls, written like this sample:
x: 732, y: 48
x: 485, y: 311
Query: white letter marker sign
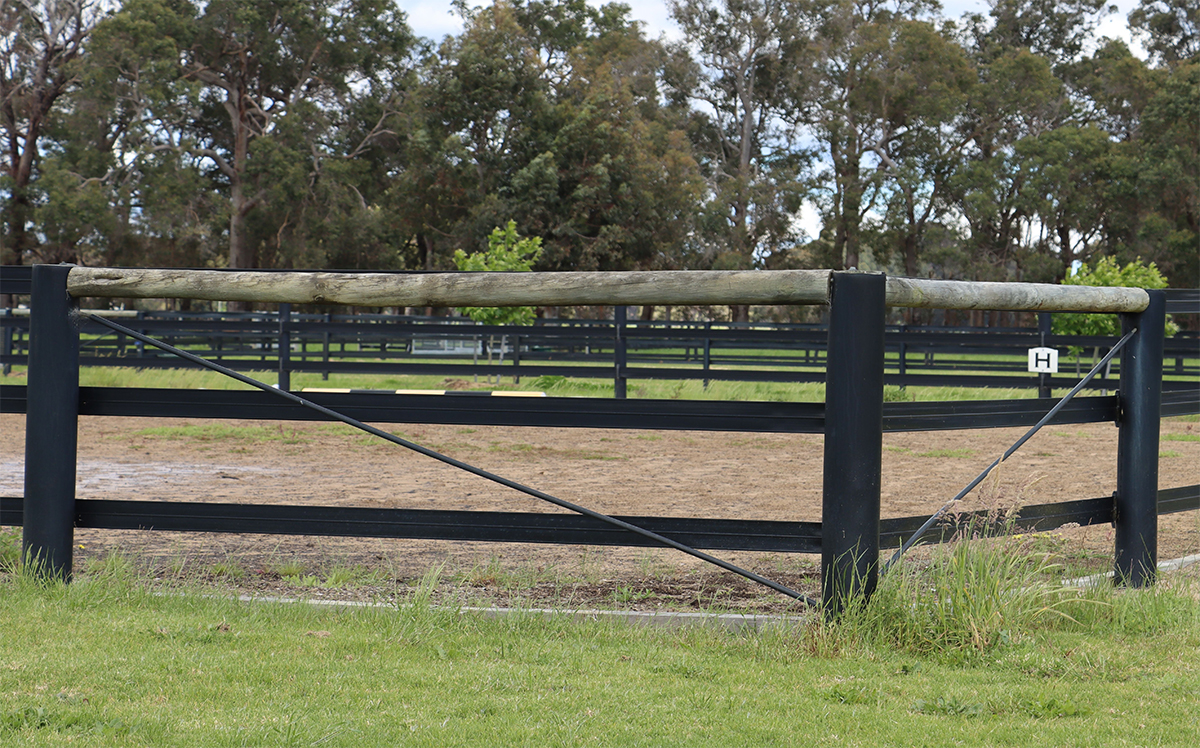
x: 1043, y: 360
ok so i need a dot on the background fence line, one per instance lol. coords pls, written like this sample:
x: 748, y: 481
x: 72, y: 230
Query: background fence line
x: 392, y: 344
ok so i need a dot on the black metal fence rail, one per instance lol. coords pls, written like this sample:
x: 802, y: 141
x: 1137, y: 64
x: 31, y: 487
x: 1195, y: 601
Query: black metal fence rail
x: 561, y: 529
x: 712, y: 534
x: 570, y: 412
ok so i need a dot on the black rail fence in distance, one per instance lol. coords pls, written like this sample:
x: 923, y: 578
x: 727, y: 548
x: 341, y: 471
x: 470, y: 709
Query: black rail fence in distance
x: 48, y: 516
x: 383, y: 344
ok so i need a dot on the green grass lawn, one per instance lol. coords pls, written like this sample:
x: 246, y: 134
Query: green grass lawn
x: 120, y: 660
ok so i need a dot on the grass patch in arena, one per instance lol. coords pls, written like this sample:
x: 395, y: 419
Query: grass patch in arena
x: 224, y: 432
x: 555, y: 386
x: 957, y: 453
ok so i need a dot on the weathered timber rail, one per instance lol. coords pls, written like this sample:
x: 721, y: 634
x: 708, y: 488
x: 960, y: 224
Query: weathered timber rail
x: 701, y: 287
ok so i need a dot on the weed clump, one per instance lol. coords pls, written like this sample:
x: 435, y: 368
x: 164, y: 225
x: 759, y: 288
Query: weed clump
x: 990, y: 587
x: 10, y: 550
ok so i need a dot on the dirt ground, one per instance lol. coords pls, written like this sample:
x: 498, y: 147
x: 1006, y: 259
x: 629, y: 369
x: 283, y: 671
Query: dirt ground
x: 701, y: 474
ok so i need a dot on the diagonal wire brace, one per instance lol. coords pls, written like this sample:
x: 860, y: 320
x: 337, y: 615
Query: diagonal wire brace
x: 446, y: 459
x: 1009, y: 452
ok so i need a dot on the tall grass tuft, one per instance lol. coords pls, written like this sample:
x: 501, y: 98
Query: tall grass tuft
x: 974, y: 594
x: 985, y: 591
x: 1172, y: 605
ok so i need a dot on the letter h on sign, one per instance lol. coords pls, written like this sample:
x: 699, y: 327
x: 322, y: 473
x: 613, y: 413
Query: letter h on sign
x: 1043, y: 360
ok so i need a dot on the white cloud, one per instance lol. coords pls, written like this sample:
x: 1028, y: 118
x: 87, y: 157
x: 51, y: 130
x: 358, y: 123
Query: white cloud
x: 434, y: 19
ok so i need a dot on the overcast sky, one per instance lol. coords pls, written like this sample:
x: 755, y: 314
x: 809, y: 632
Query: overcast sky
x: 434, y: 19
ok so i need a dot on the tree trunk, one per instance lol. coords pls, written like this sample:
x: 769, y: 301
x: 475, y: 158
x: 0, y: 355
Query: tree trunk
x: 424, y: 251
x: 18, y: 244
x: 1064, y: 249
x: 909, y: 245
x: 240, y: 255
x: 21, y: 170
x: 425, y: 259
x: 848, y: 219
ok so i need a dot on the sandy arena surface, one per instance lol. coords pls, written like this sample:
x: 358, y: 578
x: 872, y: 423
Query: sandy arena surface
x: 700, y: 474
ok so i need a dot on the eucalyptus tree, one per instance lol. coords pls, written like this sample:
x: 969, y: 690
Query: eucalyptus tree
x: 548, y: 114
x: 1083, y: 174
x: 1171, y: 29
x: 474, y: 122
x: 1114, y: 173
x: 898, y: 88
x: 260, y: 96
x: 628, y: 183
x: 749, y: 89
x: 1024, y: 51
x: 1168, y: 162
x: 1110, y: 88
x: 1057, y: 30
x: 888, y: 89
x: 111, y: 193
x: 1073, y: 174
x: 1018, y: 96
x: 41, y: 44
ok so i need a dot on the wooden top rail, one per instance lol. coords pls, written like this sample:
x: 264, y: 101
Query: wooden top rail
x: 460, y: 289
x: 676, y: 287
x: 1017, y: 297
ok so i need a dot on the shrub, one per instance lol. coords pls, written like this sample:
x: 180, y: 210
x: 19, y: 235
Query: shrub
x: 1109, y: 273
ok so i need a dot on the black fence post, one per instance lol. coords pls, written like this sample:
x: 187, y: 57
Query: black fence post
x: 1135, y: 511
x: 853, y: 438
x: 51, y: 423
x: 325, y: 344
x: 619, y: 357
x: 6, y: 345
x: 516, y: 359
x: 1043, y: 331
x: 285, y: 346
x: 140, y: 347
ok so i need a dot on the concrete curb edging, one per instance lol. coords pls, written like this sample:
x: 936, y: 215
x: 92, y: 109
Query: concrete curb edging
x: 1173, y: 565
x: 735, y: 622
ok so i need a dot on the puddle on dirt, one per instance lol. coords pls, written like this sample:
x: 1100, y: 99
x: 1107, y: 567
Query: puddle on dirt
x: 98, y: 475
